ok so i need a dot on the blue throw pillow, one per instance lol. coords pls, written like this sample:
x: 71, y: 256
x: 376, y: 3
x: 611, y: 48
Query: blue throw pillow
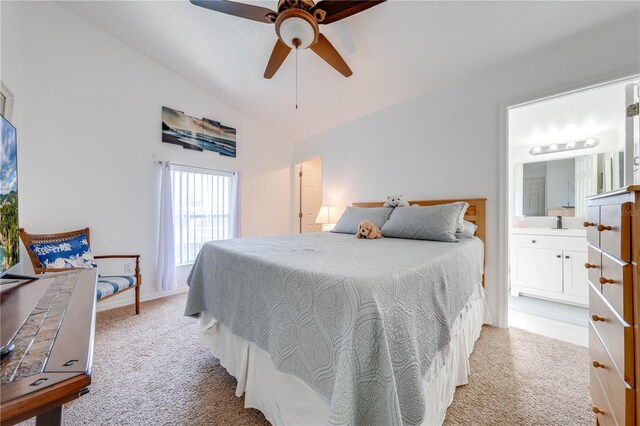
x: 71, y: 253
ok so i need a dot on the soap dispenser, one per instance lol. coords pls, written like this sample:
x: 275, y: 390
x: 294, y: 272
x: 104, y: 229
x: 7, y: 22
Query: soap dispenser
x: 559, y: 222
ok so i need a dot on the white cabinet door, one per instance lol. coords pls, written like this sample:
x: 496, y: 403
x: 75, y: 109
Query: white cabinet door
x: 538, y: 268
x: 575, y: 274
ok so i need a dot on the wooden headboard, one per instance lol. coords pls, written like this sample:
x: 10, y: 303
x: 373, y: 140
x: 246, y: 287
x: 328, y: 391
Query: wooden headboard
x: 476, y: 213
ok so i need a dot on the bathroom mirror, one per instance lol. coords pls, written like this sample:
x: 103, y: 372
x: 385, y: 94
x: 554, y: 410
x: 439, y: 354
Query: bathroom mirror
x: 559, y: 187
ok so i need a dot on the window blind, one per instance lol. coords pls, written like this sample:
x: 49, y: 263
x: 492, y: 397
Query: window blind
x: 201, y: 210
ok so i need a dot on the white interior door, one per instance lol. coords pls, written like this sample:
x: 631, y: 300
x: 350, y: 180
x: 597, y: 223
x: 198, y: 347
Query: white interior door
x: 310, y: 186
x: 534, y: 197
x: 586, y: 183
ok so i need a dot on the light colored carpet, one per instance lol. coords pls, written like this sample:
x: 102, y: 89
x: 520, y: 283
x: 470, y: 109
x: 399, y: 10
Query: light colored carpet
x: 150, y: 370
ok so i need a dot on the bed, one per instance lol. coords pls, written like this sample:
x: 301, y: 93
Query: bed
x: 324, y: 328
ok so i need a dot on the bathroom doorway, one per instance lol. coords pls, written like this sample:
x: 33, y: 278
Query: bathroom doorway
x: 560, y: 150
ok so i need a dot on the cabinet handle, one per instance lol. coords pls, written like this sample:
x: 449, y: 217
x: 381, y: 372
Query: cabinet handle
x: 597, y: 410
x: 558, y: 256
x: 588, y: 224
x: 604, y: 280
x: 533, y: 241
x: 604, y: 228
x: 596, y: 364
x: 567, y: 257
x: 589, y: 265
x: 597, y: 318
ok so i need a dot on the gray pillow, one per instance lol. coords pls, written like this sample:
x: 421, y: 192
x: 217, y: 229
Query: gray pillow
x: 468, y: 230
x: 352, y: 216
x: 436, y: 223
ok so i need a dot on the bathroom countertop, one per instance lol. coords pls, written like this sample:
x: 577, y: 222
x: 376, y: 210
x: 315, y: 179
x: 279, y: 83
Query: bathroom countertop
x: 567, y: 232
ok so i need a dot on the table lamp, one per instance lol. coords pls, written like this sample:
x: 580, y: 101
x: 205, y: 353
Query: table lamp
x: 326, y: 217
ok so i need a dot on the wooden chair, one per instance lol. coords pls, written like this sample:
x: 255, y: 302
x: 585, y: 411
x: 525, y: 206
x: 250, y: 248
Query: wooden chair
x: 108, y: 286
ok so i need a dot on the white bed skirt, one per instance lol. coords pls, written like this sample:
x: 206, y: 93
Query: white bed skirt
x: 286, y: 400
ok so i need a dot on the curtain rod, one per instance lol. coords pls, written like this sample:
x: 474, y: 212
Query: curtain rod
x: 198, y: 167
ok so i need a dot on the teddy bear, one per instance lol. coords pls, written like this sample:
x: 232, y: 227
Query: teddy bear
x: 367, y: 229
x: 396, y: 201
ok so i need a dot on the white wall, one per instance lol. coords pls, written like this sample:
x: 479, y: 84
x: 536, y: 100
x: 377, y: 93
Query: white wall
x: 445, y: 143
x: 88, y: 117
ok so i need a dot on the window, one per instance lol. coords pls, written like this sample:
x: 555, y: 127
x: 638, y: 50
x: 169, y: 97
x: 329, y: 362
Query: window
x: 201, y: 210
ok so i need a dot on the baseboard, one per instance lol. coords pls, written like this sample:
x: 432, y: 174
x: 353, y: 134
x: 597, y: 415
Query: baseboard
x: 128, y: 298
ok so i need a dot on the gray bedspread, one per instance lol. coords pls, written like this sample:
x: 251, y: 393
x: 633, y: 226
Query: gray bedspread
x: 357, y: 320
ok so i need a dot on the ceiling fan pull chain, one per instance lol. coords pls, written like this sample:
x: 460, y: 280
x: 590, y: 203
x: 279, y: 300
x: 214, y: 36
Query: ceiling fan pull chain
x: 296, y: 78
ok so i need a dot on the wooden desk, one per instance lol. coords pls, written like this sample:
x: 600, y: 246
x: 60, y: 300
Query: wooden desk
x: 51, y: 322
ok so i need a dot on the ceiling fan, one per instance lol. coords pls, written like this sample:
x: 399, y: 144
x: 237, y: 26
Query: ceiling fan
x: 296, y: 23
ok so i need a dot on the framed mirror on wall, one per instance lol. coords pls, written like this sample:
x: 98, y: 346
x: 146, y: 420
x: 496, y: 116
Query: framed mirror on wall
x: 560, y: 187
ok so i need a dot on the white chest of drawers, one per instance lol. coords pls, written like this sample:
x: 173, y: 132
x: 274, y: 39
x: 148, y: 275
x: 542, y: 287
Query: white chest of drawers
x: 549, y: 263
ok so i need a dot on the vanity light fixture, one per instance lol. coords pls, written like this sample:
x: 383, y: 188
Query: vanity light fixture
x: 566, y: 146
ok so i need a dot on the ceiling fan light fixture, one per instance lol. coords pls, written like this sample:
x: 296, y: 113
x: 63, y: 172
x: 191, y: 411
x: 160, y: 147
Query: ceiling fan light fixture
x: 297, y: 28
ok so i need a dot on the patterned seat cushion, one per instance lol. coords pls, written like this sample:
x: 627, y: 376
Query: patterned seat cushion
x: 70, y: 253
x: 107, y: 285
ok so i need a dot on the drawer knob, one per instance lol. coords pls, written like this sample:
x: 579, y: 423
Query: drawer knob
x: 604, y: 280
x: 604, y: 228
x: 597, y: 410
x: 596, y: 364
x: 589, y: 265
x: 588, y: 224
x: 597, y: 318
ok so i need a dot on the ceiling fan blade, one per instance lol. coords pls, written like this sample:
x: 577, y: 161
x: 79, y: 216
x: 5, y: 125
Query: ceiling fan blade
x: 279, y: 54
x: 326, y: 51
x: 340, y: 9
x: 247, y: 11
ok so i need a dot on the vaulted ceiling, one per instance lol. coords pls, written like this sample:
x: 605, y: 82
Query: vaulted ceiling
x: 397, y: 50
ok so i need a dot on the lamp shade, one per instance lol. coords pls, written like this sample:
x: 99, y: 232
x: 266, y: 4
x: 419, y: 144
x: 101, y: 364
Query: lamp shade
x: 326, y: 215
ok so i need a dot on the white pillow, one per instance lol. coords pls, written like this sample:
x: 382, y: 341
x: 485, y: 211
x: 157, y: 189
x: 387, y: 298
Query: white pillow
x: 460, y: 227
x: 468, y: 230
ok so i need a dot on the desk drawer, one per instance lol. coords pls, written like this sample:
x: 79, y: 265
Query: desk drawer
x: 592, y: 222
x: 594, y: 265
x: 615, y: 230
x: 616, y: 335
x: 620, y: 397
x: 617, y: 286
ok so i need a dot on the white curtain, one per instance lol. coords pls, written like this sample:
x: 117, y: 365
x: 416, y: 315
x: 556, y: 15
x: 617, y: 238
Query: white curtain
x: 234, y: 206
x: 166, y: 246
